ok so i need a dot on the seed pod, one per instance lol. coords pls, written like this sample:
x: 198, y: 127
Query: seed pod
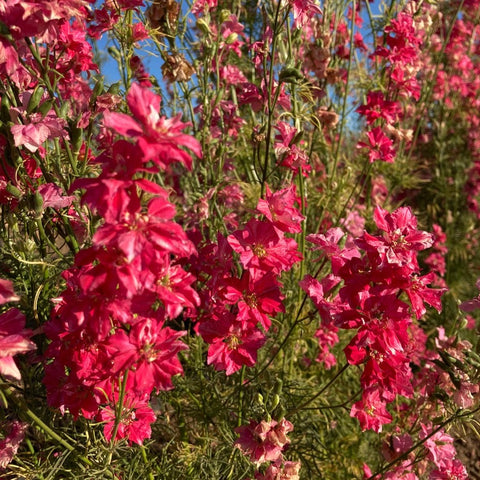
x: 290, y: 75
x: 281, y: 413
x: 5, y: 108
x: 114, y: 88
x: 277, y: 389
x: 38, y: 205
x: 35, y: 99
x: 275, y: 401
x: 76, y: 137
x: 13, y: 190
x: 45, y: 107
x: 97, y: 90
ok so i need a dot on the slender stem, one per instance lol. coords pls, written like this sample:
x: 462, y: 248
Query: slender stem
x: 240, y: 397
x: 322, y: 390
x: 270, y: 104
x: 10, y: 393
x: 345, y: 101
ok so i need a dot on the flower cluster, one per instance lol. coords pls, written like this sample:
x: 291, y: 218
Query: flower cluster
x: 239, y: 309
x: 110, y: 342
x: 399, y: 54
x: 378, y: 273
x: 168, y: 221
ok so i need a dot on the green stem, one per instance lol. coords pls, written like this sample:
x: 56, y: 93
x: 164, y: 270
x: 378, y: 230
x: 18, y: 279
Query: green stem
x: 10, y: 393
x: 345, y: 101
x: 322, y: 390
x: 270, y: 104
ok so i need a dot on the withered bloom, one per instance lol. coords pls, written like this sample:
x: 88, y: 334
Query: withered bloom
x: 328, y: 118
x: 162, y: 16
x: 177, y: 69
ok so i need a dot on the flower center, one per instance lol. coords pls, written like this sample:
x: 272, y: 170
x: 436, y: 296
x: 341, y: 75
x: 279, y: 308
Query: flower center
x: 259, y: 251
x: 233, y: 342
x: 251, y: 300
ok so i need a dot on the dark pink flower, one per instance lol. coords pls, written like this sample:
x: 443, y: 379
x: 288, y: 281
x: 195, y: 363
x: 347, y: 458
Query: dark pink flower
x: 379, y: 146
x: 6, y: 292
x: 232, y: 344
x: 377, y: 107
x: 134, y: 422
x: 150, y: 351
x: 279, y: 208
x: 371, y: 411
x: 257, y: 295
x: 263, y: 246
x: 159, y: 138
x: 451, y: 470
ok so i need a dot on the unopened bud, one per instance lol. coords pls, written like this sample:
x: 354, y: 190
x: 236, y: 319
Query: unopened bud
x: 203, y: 26
x: 38, y: 205
x: 35, y: 99
x: 45, y: 107
x: 14, y: 191
x: 275, y: 401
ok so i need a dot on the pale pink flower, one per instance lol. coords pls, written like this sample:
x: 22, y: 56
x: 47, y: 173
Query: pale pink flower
x: 264, y: 441
x: 9, y: 445
x: 13, y: 340
x: 6, y: 292
x: 37, y: 130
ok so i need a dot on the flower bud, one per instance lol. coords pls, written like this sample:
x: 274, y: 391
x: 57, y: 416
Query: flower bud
x: 35, y: 99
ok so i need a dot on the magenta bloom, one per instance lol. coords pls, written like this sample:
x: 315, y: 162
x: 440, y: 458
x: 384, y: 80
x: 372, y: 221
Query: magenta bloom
x: 279, y: 208
x: 371, y: 411
x: 150, y: 351
x: 257, y: 296
x: 159, y: 138
x: 9, y: 445
x: 263, y: 246
x: 135, y: 420
x: 6, y: 292
x: 379, y: 145
x: 232, y: 343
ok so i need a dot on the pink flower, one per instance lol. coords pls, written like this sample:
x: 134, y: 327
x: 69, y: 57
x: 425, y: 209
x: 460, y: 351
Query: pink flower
x: 159, y: 138
x: 13, y: 340
x: 474, y: 304
x: 9, y: 445
x: 150, y: 351
x: 281, y: 470
x: 263, y: 246
x: 37, y: 130
x: 440, y: 446
x: 379, y: 145
x: 451, y: 470
x: 303, y: 11
x: 134, y: 423
x: 264, y: 441
x: 377, y: 107
x: 279, y: 208
x: 257, y: 296
x: 6, y: 292
x: 52, y: 196
x: 232, y: 344
x: 371, y: 411
x: 287, y: 150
